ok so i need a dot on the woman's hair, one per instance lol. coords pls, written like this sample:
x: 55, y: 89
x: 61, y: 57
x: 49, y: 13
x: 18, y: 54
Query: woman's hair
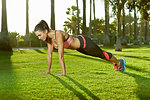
x: 41, y: 26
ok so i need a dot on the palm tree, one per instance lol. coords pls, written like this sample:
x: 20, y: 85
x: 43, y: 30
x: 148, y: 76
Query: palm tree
x: 118, y: 42
x: 130, y: 28
x: 106, y: 38
x: 27, y: 37
x: 90, y: 24
x: 95, y: 36
x: 135, y: 25
x: 145, y: 32
x: 141, y: 31
x: 117, y: 6
x: 52, y: 15
x: 124, y: 41
x: 129, y: 6
x: 4, y: 37
x: 78, y: 30
x: 84, y: 17
x: 71, y: 25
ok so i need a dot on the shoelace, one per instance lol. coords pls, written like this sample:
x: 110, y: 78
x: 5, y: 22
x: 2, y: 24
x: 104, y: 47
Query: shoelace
x: 118, y: 68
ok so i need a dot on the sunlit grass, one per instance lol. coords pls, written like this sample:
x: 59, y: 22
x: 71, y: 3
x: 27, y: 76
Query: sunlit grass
x: 87, y: 77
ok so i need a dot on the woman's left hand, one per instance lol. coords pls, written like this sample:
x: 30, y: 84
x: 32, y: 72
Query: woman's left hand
x: 45, y: 72
x: 60, y: 75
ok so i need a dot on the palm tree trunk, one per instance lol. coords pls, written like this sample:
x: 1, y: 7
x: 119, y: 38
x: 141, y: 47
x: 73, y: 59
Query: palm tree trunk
x: 135, y: 28
x: 106, y: 36
x: 27, y: 17
x: 141, y: 32
x: 145, y: 33
x: 95, y: 36
x: 148, y: 31
x: 52, y: 15
x: 90, y: 24
x: 4, y: 37
x: 118, y: 42
x: 78, y: 30
x: 84, y: 18
x: 27, y: 37
x: 130, y: 28
x: 124, y: 41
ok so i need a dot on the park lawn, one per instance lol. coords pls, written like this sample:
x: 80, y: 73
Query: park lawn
x: 87, y: 77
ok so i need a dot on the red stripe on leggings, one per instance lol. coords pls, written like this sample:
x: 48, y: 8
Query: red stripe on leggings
x: 106, y: 55
x: 83, y: 41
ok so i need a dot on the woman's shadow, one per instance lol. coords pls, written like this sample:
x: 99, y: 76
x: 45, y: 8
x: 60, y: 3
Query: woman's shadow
x: 77, y: 93
x: 143, y: 89
x: 8, y: 85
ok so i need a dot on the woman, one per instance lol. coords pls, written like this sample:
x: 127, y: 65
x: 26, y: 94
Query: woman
x: 83, y: 44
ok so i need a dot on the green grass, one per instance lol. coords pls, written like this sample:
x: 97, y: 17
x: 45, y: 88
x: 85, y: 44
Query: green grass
x: 87, y: 77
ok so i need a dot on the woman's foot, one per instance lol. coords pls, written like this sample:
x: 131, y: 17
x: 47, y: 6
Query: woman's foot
x: 121, y: 67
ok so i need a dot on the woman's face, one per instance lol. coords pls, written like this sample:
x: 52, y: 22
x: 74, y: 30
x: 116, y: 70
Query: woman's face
x: 41, y: 35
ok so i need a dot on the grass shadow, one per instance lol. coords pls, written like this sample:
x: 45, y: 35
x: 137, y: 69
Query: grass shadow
x: 88, y: 92
x: 141, y: 58
x: 143, y: 89
x: 69, y: 87
x: 39, y: 51
x: 21, y: 51
x: 8, y: 84
x: 54, y: 50
x: 5, y: 60
x: 87, y: 57
x: 99, y: 73
x: 136, y: 69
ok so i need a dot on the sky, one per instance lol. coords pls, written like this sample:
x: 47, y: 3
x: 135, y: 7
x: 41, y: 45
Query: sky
x: 41, y: 10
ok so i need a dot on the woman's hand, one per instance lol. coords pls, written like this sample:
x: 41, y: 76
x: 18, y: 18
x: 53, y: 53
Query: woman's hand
x: 60, y: 75
x: 45, y: 72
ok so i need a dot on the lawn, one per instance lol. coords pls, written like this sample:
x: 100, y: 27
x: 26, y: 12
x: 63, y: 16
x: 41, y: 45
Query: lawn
x: 87, y: 77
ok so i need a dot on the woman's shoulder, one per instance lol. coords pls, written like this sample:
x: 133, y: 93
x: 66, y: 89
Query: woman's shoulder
x: 60, y: 32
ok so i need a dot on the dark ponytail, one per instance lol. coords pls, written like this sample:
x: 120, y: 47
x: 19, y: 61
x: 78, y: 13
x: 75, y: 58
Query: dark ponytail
x: 41, y: 26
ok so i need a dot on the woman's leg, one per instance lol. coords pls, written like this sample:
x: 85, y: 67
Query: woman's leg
x: 93, y: 50
x: 114, y: 60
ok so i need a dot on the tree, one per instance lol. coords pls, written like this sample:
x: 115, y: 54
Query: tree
x: 130, y: 9
x: 52, y: 15
x: 117, y: 6
x: 135, y: 24
x: 95, y: 36
x: 4, y: 37
x: 71, y: 25
x: 100, y: 24
x: 78, y: 30
x: 145, y: 33
x: 107, y: 34
x: 27, y: 37
x: 141, y: 31
x: 90, y: 24
x: 84, y: 31
x: 144, y: 8
x: 124, y: 41
x: 118, y: 43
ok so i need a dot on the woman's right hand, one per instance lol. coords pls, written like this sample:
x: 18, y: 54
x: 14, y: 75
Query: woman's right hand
x: 45, y: 72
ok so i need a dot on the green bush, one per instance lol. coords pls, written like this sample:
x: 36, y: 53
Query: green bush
x: 35, y: 42
x: 13, y: 39
x: 17, y: 40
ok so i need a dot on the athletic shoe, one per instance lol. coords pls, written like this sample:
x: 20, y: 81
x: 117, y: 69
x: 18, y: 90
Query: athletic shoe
x: 120, y: 67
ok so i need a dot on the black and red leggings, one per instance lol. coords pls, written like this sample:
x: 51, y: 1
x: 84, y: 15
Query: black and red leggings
x: 88, y: 47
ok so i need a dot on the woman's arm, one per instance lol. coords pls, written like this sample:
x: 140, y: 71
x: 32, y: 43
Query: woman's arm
x: 60, y: 43
x: 49, y: 57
